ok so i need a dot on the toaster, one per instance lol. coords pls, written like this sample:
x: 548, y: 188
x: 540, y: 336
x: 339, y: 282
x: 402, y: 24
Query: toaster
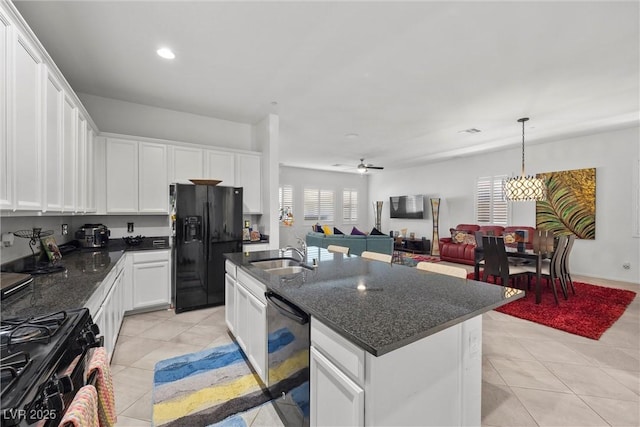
x: 93, y: 236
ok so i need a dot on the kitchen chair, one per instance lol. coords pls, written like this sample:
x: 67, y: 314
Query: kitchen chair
x: 376, y: 256
x: 565, y: 262
x: 449, y: 270
x: 496, y: 263
x: 339, y: 249
x: 552, y: 269
x: 398, y: 245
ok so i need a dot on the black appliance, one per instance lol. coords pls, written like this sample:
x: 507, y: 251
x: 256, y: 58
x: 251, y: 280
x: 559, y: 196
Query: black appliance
x: 43, y: 363
x: 208, y: 224
x: 411, y: 207
x: 290, y: 395
x: 93, y: 236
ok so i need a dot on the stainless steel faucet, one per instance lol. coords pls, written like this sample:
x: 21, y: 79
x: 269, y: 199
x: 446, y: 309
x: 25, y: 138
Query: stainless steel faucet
x: 302, y: 250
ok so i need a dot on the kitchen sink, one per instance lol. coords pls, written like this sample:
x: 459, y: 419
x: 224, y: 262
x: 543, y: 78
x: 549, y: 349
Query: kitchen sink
x: 276, y: 263
x: 281, y: 266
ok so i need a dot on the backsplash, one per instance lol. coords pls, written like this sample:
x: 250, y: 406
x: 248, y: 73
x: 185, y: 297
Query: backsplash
x: 149, y: 225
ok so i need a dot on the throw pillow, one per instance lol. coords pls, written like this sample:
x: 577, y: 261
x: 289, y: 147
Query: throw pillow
x: 336, y: 231
x: 327, y: 230
x: 516, y: 236
x: 462, y: 237
x: 376, y: 232
x: 356, y: 232
x: 318, y: 228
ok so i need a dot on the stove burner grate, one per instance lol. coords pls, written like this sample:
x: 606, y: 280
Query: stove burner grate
x: 10, y: 368
x: 34, y: 329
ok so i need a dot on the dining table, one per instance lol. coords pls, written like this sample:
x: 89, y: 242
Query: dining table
x: 514, y: 252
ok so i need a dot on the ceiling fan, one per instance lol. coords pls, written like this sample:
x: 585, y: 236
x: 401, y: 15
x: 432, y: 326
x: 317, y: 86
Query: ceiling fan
x: 364, y: 168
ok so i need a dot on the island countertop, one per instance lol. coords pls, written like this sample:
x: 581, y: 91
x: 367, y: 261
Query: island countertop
x: 379, y: 307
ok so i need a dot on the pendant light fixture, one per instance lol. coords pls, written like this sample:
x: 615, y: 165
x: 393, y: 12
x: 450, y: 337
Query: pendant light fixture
x: 524, y: 188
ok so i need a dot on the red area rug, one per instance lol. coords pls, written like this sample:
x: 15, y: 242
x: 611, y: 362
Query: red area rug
x: 589, y: 313
x: 413, y: 259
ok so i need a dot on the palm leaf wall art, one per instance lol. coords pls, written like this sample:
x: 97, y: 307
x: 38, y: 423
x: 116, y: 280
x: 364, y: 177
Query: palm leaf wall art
x: 570, y: 207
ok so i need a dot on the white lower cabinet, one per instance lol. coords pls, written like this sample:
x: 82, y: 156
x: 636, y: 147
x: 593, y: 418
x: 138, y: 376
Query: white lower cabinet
x: 335, y: 400
x: 230, y: 302
x: 246, y: 316
x: 108, y: 316
x: 151, y: 279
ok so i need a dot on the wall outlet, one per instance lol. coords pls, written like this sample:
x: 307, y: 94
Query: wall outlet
x: 626, y: 265
x: 129, y: 227
x: 65, y: 229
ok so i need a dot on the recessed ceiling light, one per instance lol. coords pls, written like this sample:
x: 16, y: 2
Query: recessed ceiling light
x: 352, y: 135
x: 470, y: 130
x: 165, y: 53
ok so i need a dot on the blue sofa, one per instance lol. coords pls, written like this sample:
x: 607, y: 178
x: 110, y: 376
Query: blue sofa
x: 356, y: 243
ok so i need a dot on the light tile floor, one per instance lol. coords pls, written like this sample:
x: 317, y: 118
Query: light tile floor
x: 532, y: 375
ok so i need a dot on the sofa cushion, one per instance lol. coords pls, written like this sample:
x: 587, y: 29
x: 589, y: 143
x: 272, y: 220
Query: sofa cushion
x: 336, y: 231
x: 376, y: 232
x: 327, y: 230
x: 356, y: 232
x: 468, y: 227
x: 462, y: 237
x: 491, y: 230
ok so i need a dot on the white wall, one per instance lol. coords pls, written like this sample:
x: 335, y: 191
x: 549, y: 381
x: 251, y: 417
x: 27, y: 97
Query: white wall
x: 20, y: 247
x: 266, y: 136
x: 301, y: 178
x: 614, y: 154
x: 126, y: 118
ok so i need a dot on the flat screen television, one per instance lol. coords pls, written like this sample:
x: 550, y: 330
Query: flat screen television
x: 412, y: 207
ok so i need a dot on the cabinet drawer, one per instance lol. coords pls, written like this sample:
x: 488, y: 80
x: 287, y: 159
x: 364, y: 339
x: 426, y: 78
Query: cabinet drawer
x: 150, y: 256
x: 252, y: 285
x: 346, y: 355
x: 230, y: 268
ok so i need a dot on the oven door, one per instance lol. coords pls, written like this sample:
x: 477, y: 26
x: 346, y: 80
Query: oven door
x: 288, y: 360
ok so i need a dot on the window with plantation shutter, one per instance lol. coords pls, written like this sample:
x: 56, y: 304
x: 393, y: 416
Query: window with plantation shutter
x: 491, y: 208
x: 349, y: 206
x: 285, y: 195
x: 318, y: 205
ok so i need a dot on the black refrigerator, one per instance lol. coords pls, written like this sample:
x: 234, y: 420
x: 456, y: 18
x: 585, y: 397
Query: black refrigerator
x: 207, y: 221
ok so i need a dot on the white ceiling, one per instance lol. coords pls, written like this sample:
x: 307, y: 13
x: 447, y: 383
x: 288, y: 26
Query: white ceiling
x: 407, y: 77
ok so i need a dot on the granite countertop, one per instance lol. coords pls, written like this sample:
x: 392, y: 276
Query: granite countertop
x: 85, y: 269
x: 379, y: 307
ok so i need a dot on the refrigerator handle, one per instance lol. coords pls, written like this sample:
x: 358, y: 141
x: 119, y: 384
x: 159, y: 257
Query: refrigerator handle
x: 205, y: 230
x: 208, y: 237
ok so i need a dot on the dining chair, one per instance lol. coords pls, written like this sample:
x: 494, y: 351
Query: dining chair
x: 496, y: 263
x: 376, y: 256
x: 552, y: 269
x: 449, y: 270
x: 397, y: 250
x: 339, y: 249
x: 565, y: 262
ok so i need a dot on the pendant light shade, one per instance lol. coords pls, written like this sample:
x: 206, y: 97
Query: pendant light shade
x: 524, y: 187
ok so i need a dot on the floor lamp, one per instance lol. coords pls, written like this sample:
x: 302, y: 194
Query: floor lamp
x: 435, y: 210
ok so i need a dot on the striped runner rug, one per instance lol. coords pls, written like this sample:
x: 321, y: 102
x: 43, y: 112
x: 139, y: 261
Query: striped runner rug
x: 217, y: 385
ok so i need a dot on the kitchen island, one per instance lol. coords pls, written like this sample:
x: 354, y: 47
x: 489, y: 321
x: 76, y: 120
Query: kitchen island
x: 392, y: 345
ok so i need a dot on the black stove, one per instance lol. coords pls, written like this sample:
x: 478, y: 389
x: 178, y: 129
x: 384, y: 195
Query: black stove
x: 43, y: 362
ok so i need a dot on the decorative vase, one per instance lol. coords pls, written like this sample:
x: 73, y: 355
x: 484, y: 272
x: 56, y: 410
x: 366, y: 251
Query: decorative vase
x: 435, y: 210
x: 377, y: 213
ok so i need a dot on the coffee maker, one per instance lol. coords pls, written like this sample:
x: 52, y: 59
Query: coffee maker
x: 93, y: 236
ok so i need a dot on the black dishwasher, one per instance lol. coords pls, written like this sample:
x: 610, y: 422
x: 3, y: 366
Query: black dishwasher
x: 288, y: 362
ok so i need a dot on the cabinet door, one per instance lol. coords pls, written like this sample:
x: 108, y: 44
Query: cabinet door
x: 52, y: 143
x: 81, y: 164
x: 91, y: 171
x: 220, y: 165
x: 99, y: 319
x: 153, y: 184
x: 69, y: 152
x: 27, y: 115
x: 122, y: 176
x: 335, y: 400
x: 186, y: 163
x: 242, y: 316
x: 151, y: 284
x: 249, y: 177
x: 229, y: 302
x: 257, y: 339
x: 6, y: 156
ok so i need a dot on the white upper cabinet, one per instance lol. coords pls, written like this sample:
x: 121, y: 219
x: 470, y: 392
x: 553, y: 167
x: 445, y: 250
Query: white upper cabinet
x: 122, y: 176
x: 185, y: 163
x: 81, y: 165
x: 52, y: 143
x: 249, y: 177
x: 69, y: 138
x: 220, y: 165
x: 153, y: 183
x: 91, y: 171
x: 26, y: 116
x: 6, y: 165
